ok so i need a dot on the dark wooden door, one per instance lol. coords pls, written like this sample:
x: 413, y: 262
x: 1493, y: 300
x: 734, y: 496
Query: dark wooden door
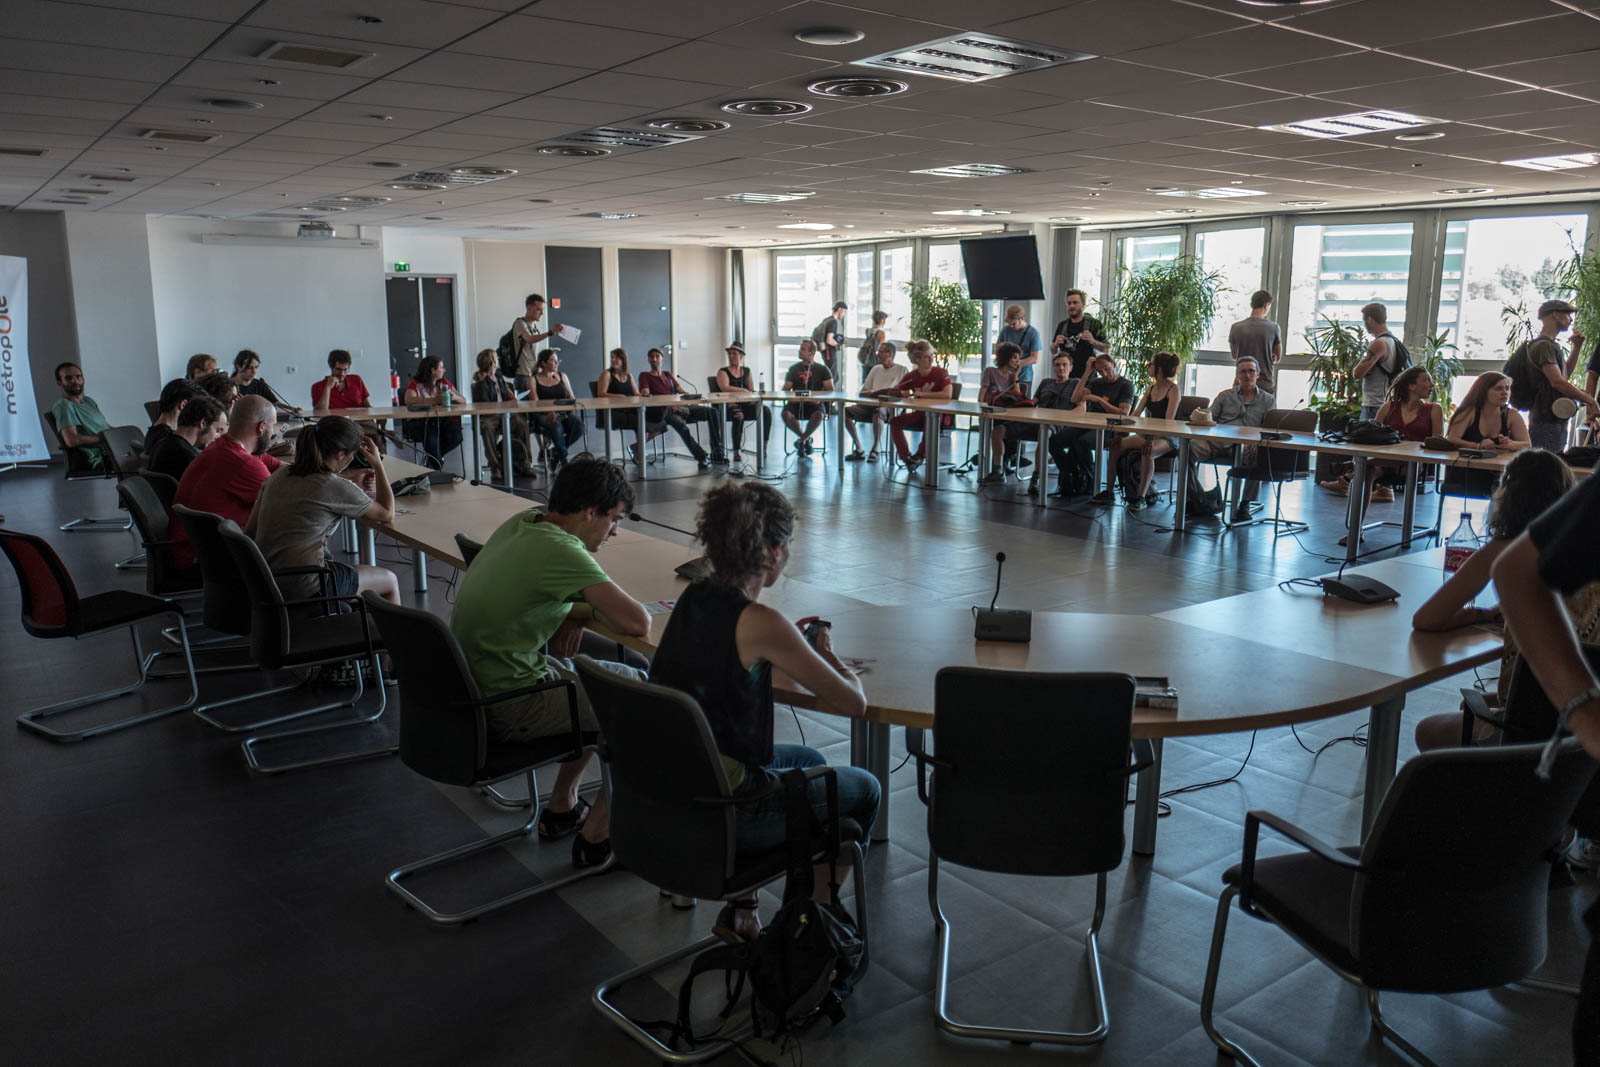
x: 575, y: 291
x: 644, y: 296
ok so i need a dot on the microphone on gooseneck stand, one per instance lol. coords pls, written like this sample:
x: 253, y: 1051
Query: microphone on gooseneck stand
x: 636, y: 517
x: 1004, y: 624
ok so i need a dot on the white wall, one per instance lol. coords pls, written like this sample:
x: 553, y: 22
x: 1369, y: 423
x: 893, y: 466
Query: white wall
x: 503, y: 274
x: 41, y: 239
x: 291, y: 304
x: 110, y: 265
x: 699, y: 312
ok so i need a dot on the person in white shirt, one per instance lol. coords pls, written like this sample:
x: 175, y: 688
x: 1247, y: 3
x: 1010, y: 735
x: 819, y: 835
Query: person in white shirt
x: 885, y: 374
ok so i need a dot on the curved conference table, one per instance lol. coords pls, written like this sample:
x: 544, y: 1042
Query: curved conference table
x: 1261, y: 659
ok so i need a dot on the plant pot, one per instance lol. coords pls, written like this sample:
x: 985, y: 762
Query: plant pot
x: 1330, y: 466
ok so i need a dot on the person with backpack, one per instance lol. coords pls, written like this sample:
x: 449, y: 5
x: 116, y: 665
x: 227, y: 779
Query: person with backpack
x: 867, y: 354
x: 518, y: 347
x: 1539, y: 377
x: 828, y: 337
x: 1386, y: 357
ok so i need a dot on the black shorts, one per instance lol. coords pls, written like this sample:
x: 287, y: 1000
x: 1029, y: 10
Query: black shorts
x: 346, y: 581
x: 802, y: 410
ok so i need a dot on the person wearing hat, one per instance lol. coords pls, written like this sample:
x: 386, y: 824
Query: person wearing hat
x: 735, y: 378
x: 1542, y: 361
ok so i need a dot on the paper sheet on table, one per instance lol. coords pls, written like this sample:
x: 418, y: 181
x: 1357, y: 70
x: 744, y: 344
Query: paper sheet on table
x: 660, y: 607
x: 570, y: 334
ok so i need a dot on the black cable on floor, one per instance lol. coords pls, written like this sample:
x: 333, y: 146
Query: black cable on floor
x: 1357, y: 738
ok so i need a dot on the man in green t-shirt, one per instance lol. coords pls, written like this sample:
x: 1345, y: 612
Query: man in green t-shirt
x: 78, y: 417
x: 519, y: 594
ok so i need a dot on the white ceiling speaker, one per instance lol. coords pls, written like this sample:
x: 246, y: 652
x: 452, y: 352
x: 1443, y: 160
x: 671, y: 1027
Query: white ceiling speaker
x: 830, y: 36
x: 857, y: 87
x: 771, y: 109
x: 689, y: 125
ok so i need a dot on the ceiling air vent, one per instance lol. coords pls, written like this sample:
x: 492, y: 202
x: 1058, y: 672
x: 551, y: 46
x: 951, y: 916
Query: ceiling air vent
x: 766, y: 108
x: 1221, y: 192
x: 608, y: 215
x: 10, y: 150
x: 178, y: 135
x: 483, y: 173
x: 418, y: 187
x: 573, y: 151
x: 313, y: 55
x: 857, y: 87
x: 361, y: 201
x: 617, y: 137
x: 973, y: 57
x: 689, y: 125
x: 67, y: 200
x: 505, y: 228
x: 90, y: 192
x: 439, y: 179
x: 974, y: 170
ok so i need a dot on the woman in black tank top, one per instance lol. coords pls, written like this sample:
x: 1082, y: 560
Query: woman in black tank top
x: 1160, y: 401
x: 736, y: 376
x: 617, y: 380
x: 559, y: 428
x: 1490, y: 394
x: 720, y: 647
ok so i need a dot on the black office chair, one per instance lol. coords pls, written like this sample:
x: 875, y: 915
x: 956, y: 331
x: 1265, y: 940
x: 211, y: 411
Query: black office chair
x: 1529, y: 717
x: 52, y: 608
x: 78, y: 468
x: 152, y: 410
x: 1449, y: 893
x: 672, y: 824
x: 1029, y: 777
x: 163, y: 575
x: 444, y: 737
x: 280, y: 638
x: 1275, y: 465
x: 468, y: 548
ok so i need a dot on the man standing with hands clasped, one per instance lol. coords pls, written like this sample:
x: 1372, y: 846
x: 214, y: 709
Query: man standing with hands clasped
x: 1078, y: 334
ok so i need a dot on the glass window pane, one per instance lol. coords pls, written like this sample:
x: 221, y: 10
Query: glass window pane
x: 894, y: 271
x: 944, y: 263
x: 1490, y: 264
x: 858, y: 292
x: 1090, y: 255
x: 805, y: 292
x: 1237, y: 254
x: 1140, y: 252
x: 1338, y: 269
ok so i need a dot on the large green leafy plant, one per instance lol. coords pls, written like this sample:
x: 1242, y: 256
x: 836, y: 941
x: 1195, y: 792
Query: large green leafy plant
x: 1437, y: 355
x: 1336, y: 348
x: 946, y: 317
x: 1161, y: 307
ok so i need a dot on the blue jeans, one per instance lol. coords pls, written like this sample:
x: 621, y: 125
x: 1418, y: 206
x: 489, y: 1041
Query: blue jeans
x: 1370, y: 411
x: 1550, y: 435
x: 760, y: 825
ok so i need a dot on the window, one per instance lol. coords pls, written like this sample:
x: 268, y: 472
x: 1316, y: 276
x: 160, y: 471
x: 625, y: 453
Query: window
x: 1338, y: 269
x: 894, y: 271
x: 805, y: 293
x: 1090, y: 254
x: 858, y: 292
x: 944, y: 263
x: 1140, y: 252
x: 1490, y: 264
x: 1237, y: 255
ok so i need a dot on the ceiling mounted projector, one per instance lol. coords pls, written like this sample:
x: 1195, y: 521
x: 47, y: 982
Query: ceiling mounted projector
x: 315, y: 231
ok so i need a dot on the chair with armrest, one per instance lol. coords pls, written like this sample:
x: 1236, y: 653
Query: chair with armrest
x: 1276, y: 465
x: 52, y: 608
x: 444, y: 737
x: 163, y: 575
x: 79, y: 468
x: 124, y: 448
x: 1029, y: 777
x: 468, y: 548
x: 1450, y: 892
x: 672, y: 824
x: 152, y: 410
x: 281, y: 638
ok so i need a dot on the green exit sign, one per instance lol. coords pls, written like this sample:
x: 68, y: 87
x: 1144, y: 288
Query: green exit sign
x: 401, y: 267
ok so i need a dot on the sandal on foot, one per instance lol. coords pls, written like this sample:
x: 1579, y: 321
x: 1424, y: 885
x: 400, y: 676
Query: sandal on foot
x: 586, y: 853
x: 728, y: 922
x: 554, y: 825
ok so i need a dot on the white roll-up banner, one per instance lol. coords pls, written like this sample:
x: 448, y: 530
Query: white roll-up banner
x: 21, y: 435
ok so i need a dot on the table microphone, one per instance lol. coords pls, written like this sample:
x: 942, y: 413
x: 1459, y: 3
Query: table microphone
x: 636, y: 517
x: 1004, y: 624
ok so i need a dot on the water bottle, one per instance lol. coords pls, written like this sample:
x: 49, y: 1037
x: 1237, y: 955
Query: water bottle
x: 1460, y: 546
x: 444, y: 393
x: 761, y: 384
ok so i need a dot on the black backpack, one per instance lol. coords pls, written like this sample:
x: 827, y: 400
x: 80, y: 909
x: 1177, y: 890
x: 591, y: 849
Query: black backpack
x: 867, y: 354
x: 506, y: 353
x: 1524, y: 384
x: 820, y: 335
x: 1401, y: 358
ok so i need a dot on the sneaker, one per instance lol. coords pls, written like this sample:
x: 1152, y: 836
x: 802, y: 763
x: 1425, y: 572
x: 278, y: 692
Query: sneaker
x: 1033, y: 488
x: 1108, y: 496
x: 704, y: 461
x: 1139, y: 504
x: 1584, y: 853
x: 1383, y: 495
x: 1337, y: 485
x: 992, y: 478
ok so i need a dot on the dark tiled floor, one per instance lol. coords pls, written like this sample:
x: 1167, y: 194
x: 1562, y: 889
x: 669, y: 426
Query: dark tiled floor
x: 163, y: 906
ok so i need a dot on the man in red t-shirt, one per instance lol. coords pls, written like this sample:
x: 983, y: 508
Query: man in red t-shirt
x: 226, y: 478
x: 340, y: 389
x: 658, y: 381
x: 925, y: 382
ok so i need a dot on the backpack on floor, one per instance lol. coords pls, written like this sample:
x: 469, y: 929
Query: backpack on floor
x: 1129, y: 467
x: 1077, y: 478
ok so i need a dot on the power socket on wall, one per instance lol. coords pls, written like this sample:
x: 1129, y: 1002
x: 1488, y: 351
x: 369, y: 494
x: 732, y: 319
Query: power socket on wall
x: 291, y: 369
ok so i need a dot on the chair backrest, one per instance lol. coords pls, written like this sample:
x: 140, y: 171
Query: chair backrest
x: 152, y: 410
x: 1457, y: 878
x: 78, y: 465
x: 1530, y: 717
x: 1187, y: 406
x: 711, y: 384
x: 1286, y: 463
x: 270, y: 634
x: 1031, y: 770
x: 955, y: 388
x: 225, y: 602
x: 602, y: 416
x: 662, y: 758
x: 468, y: 547
x: 162, y: 575
x: 124, y: 449
x: 441, y: 736
x: 49, y: 599
x: 165, y: 486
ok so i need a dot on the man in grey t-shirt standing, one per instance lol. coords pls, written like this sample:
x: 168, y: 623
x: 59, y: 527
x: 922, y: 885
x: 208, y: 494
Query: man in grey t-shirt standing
x: 1377, y: 368
x: 1258, y: 338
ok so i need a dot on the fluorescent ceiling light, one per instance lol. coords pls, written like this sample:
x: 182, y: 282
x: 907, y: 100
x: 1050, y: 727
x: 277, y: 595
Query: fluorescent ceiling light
x: 608, y: 215
x: 973, y: 211
x: 1470, y: 190
x: 1571, y: 162
x: 1221, y: 192
x: 974, y: 170
x: 763, y: 198
x: 1354, y: 124
x: 1179, y: 211
x: 1305, y: 203
x: 805, y: 226
x: 972, y: 57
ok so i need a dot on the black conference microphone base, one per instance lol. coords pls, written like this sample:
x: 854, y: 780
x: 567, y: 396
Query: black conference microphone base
x: 1002, y: 624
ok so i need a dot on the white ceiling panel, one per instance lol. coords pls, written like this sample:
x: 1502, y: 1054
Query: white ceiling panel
x: 633, y: 89
x: 1330, y: 76
x: 1249, y: 47
x: 1115, y: 27
x: 534, y: 39
x: 246, y: 43
x: 499, y: 75
x: 413, y: 23
x: 1382, y: 23
x: 50, y: 57
x: 108, y: 27
x: 1556, y: 36
x: 687, y: 18
x: 729, y: 66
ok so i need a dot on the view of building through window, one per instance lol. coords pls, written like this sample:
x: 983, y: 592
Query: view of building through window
x: 1494, y: 264
x: 805, y: 293
x: 944, y: 263
x: 1336, y: 270
x: 1140, y: 252
x: 894, y: 273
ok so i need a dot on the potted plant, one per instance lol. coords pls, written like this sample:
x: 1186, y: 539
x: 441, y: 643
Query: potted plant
x: 1162, y: 307
x: 946, y: 317
x: 1436, y: 355
x: 1336, y: 348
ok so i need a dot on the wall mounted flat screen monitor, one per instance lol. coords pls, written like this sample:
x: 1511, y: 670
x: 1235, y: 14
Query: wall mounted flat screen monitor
x: 1003, y: 268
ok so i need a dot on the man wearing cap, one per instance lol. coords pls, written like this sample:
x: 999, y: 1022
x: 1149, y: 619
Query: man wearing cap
x: 735, y: 378
x: 1542, y: 363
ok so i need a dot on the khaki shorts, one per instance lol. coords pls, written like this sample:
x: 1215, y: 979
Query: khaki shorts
x: 545, y: 713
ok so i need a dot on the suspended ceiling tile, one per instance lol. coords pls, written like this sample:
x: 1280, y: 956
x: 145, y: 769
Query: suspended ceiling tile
x: 686, y: 18
x: 1114, y: 27
x: 1380, y: 23
x: 396, y: 93
x: 412, y: 23
x: 1250, y: 47
x: 1556, y: 36
x: 109, y: 27
x: 728, y: 66
x: 632, y: 89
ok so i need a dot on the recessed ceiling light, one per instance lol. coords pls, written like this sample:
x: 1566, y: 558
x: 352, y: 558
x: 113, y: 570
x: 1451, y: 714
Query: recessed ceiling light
x: 764, y: 198
x: 228, y: 103
x: 382, y: 118
x: 972, y: 57
x: 417, y: 187
x: 1419, y: 135
x: 1305, y: 203
x: 1474, y: 190
x: 483, y: 172
x: 386, y: 164
x: 618, y: 137
x: 1069, y: 218
x: 608, y: 215
x: 1179, y: 211
x: 830, y: 36
x: 1353, y: 124
x: 973, y: 211
x: 974, y: 170
x: 766, y: 108
x: 1091, y: 194
x: 1568, y: 162
x: 805, y: 226
x: 573, y: 150
x: 857, y: 87
x: 359, y: 199
x: 1158, y: 188
x: 689, y: 125
x: 1220, y: 192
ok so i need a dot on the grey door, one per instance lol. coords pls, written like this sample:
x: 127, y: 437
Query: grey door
x: 574, y: 289
x: 644, y: 292
x: 422, y: 322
